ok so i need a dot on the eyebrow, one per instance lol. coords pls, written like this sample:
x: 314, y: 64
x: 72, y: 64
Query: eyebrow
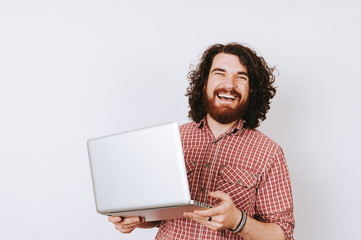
x: 222, y: 70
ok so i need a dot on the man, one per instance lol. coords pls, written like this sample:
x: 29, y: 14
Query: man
x: 230, y: 165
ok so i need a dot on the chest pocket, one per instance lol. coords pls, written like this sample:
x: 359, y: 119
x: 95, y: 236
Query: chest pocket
x: 240, y: 184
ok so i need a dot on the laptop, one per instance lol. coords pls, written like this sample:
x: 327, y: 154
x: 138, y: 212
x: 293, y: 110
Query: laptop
x: 141, y: 173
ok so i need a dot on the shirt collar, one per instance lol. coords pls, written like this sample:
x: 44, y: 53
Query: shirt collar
x: 201, y: 123
x: 236, y: 129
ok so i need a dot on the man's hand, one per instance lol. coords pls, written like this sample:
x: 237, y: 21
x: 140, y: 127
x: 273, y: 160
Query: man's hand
x: 127, y: 224
x: 224, y: 216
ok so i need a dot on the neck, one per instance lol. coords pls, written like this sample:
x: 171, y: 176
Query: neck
x: 218, y: 128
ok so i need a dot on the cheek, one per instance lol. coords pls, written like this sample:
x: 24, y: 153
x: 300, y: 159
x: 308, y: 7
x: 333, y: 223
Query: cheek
x: 210, y: 94
x: 244, y: 90
x: 209, y: 91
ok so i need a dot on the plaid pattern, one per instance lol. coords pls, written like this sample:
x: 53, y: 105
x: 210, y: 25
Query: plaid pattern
x: 244, y: 163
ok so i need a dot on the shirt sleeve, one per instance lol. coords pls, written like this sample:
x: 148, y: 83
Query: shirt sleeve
x: 274, y: 201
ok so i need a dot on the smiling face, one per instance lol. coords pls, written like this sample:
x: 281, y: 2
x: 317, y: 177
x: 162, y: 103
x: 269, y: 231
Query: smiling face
x: 227, y: 89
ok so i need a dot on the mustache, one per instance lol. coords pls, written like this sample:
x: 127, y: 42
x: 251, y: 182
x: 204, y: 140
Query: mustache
x: 226, y: 91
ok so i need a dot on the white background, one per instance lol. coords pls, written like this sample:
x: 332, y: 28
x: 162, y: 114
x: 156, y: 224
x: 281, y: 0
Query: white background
x: 74, y: 70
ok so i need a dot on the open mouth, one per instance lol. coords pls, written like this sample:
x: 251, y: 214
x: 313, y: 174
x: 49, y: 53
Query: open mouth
x: 226, y: 97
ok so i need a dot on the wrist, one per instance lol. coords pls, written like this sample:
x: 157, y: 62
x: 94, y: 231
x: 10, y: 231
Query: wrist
x: 237, y: 220
x: 240, y: 224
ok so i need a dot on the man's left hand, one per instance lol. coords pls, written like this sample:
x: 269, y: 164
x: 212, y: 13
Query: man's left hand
x: 224, y: 216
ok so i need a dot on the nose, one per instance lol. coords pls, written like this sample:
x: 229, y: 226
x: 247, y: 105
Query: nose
x: 229, y: 82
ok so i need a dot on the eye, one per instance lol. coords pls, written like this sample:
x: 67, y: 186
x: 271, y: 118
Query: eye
x: 241, y: 77
x: 219, y: 73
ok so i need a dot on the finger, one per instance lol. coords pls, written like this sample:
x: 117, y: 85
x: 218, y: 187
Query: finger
x: 130, y: 220
x: 208, y: 212
x: 216, y: 218
x: 219, y: 210
x: 226, y: 202
x: 215, y: 226
x: 121, y: 229
x: 121, y: 226
x: 204, y: 221
x: 220, y: 195
x: 132, y: 225
x: 127, y: 230
x: 114, y: 219
x: 196, y: 217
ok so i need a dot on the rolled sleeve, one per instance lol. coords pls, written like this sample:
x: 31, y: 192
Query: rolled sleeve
x: 274, y: 201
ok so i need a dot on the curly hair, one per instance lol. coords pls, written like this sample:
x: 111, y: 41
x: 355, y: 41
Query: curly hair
x: 261, y: 79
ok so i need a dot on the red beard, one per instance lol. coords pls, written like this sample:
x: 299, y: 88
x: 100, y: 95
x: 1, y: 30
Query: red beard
x: 224, y: 114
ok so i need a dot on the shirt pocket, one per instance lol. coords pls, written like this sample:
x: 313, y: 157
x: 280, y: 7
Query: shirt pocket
x: 240, y: 184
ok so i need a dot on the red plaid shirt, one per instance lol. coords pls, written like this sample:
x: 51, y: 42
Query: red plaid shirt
x: 244, y: 163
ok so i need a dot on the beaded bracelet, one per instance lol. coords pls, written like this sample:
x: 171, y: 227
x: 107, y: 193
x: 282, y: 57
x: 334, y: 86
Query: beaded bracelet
x: 241, y: 223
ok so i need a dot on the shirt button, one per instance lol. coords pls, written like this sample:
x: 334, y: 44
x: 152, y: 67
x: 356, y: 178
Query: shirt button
x: 208, y: 164
x: 223, y: 165
x: 202, y: 189
x: 238, y: 182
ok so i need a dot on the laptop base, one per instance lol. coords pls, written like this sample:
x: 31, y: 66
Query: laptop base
x: 164, y: 213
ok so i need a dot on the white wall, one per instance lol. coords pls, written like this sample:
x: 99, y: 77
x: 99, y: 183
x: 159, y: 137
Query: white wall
x: 74, y: 70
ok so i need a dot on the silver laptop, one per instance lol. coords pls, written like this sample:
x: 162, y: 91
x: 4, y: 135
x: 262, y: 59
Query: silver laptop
x: 141, y: 173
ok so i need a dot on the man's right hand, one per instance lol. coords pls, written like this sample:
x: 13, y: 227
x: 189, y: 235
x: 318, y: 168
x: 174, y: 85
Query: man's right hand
x: 128, y: 224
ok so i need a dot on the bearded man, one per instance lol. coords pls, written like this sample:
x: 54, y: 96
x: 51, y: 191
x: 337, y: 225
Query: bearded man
x: 230, y: 164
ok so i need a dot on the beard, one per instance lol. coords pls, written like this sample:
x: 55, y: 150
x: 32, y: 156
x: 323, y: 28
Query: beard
x: 224, y: 114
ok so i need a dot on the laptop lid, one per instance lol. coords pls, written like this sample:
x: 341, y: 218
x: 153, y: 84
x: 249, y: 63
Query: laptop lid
x: 139, y: 169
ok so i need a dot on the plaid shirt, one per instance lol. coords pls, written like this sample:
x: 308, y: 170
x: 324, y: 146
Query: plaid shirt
x: 244, y: 163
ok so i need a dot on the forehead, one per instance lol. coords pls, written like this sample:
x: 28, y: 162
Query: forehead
x: 228, y: 62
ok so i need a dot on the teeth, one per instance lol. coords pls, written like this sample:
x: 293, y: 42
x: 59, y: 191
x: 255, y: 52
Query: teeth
x: 226, y: 96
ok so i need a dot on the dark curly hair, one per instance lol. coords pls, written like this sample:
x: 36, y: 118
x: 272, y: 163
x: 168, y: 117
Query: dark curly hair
x: 261, y: 79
